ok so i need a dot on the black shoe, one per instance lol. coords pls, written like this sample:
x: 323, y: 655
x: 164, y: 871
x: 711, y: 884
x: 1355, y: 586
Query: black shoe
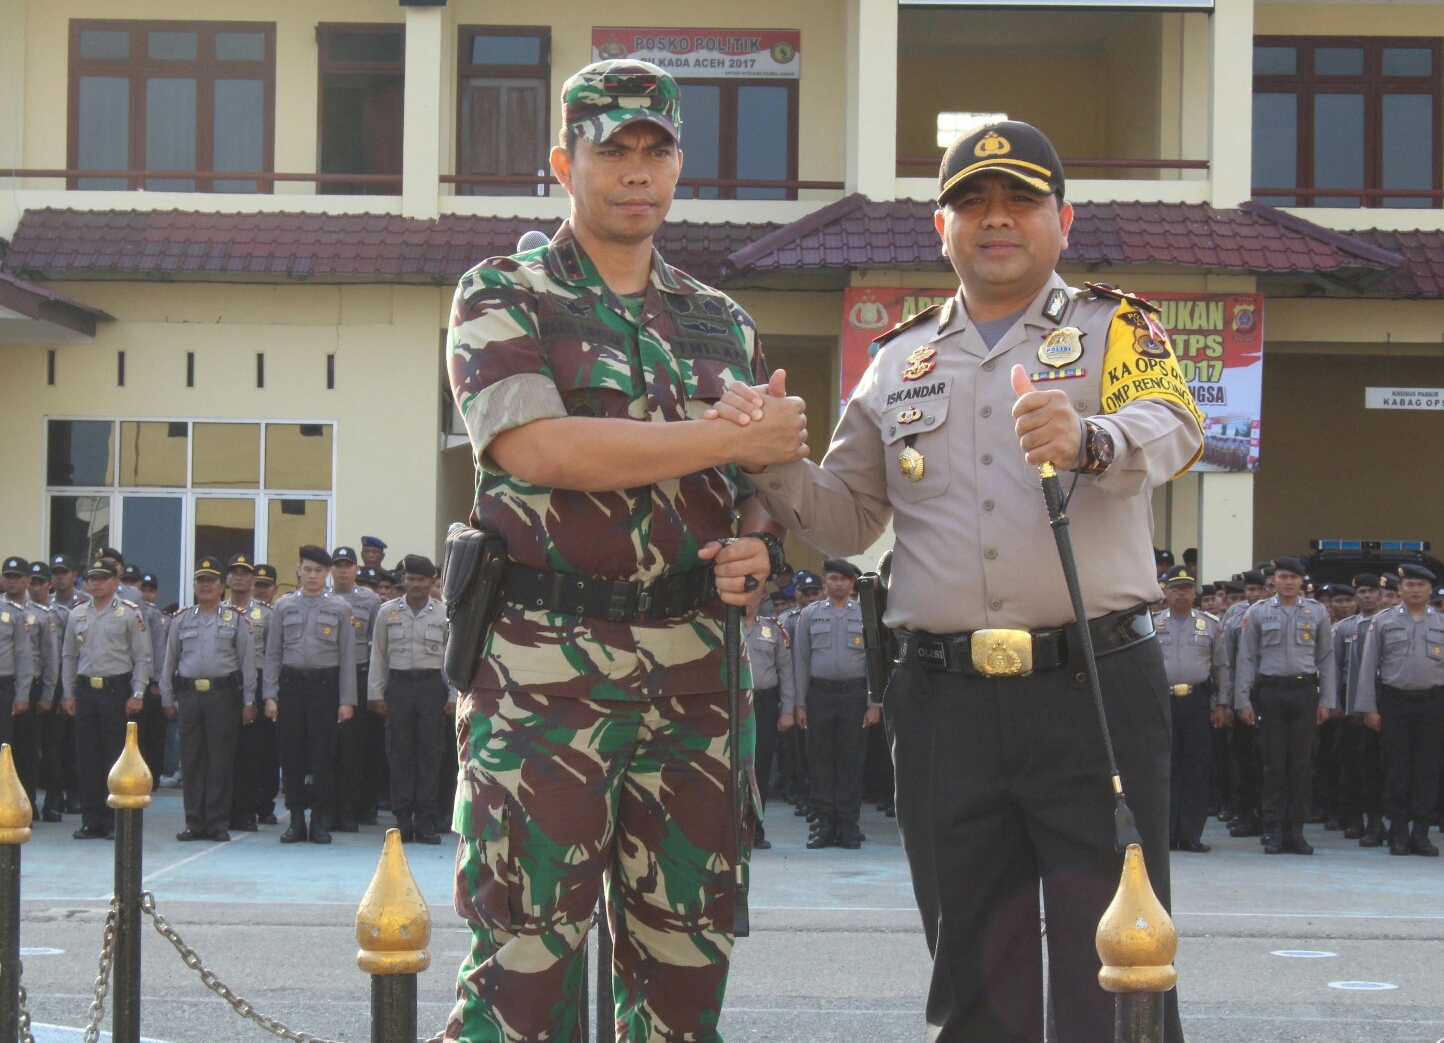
x: 1226, y: 814
x: 296, y: 831
x: 190, y: 834
x: 849, y: 837
x: 366, y: 820
x: 1196, y: 847
x: 428, y: 837
x: 220, y: 836
x: 1373, y: 835
x: 346, y: 821
x: 72, y: 806
x: 246, y: 824
x: 1353, y: 831
x: 801, y: 808
x: 1248, y: 826
x: 1273, y: 841
x: 268, y: 819
x: 91, y: 833
x: 1294, y: 841
x: 1399, y: 842
x: 762, y: 844
x: 825, y: 835
x: 319, y: 833
x: 51, y: 815
x: 1420, y: 844
x: 1331, y: 824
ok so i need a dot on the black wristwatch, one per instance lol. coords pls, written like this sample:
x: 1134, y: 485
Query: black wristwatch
x: 1097, y: 449
x: 776, y: 560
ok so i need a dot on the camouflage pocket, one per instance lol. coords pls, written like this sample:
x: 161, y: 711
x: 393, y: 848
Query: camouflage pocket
x: 498, y: 886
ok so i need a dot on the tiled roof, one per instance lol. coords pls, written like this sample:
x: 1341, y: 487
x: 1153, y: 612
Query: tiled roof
x: 856, y: 233
x: 42, y: 305
x: 1423, y: 272
x: 314, y: 246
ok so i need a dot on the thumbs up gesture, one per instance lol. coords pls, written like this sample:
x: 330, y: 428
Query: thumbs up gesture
x: 1049, y: 430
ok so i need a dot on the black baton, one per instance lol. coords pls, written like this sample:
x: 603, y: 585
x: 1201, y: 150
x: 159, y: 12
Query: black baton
x: 1124, y: 829
x: 732, y: 635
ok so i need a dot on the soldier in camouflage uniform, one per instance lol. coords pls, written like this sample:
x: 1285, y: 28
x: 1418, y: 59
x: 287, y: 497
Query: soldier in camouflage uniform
x: 594, y: 737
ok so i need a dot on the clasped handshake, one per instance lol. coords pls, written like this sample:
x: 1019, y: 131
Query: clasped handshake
x: 1049, y: 430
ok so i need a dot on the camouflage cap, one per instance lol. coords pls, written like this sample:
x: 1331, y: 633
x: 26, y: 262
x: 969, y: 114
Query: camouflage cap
x: 604, y: 97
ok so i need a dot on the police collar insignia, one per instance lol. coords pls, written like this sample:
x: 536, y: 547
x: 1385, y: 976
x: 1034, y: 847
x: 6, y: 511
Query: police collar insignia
x: 1056, y: 306
x: 1061, y: 347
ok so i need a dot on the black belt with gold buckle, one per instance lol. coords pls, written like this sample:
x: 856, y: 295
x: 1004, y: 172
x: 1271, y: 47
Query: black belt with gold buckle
x: 1018, y: 653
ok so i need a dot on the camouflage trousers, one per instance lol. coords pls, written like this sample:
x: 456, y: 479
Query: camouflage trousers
x: 558, y: 795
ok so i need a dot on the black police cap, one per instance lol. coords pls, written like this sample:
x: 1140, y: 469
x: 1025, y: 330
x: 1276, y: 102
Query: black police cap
x: 1011, y: 147
x: 101, y: 567
x: 265, y: 573
x: 311, y: 552
x: 366, y: 576
x: 1410, y: 571
x: 804, y: 579
x: 38, y: 569
x: 417, y: 565
x: 344, y: 554
x: 59, y: 562
x: 1180, y: 576
x: 1294, y: 565
x: 15, y: 567
x: 241, y: 561
x: 147, y: 579
x: 208, y: 567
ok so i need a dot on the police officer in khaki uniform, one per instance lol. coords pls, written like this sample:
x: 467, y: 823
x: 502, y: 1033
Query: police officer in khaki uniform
x: 355, y: 788
x: 792, y: 743
x: 105, y: 667
x: 829, y: 668
x: 45, y: 653
x: 310, y: 688
x: 264, y: 590
x: 1285, y: 683
x: 407, y: 690
x: 1401, y: 695
x: 1193, y: 660
x: 1001, y: 779
x: 247, y: 807
x: 772, y: 699
x: 1361, y: 772
x: 1248, y: 815
x: 48, y: 723
x: 17, y: 664
x: 207, y: 681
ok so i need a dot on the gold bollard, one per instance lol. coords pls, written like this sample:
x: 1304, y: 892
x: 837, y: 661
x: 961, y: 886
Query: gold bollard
x: 393, y: 928
x: 15, y: 813
x: 130, y: 784
x: 1136, y: 942
x: 130, y: 780
x: 15, y: 819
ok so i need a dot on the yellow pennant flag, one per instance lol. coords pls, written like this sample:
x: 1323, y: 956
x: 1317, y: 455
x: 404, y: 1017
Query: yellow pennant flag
x: 1138, y: 364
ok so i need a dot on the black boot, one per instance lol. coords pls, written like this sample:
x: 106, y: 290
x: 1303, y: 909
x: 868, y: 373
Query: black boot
x: 405, y: 827
x: 1419, y: 842
x: 426, y: 828
x: 1373, y: 833
x: 346, y: 820
x: 1295, y: 841
x: 1274, y: 839
x: 849, y: 836
x: 1247, y: 826
x: 296, y: 832
x: 825, y: 835
x: 759, y: 839
x: 1398, y: 838
x: 1354, y: 830
x: 54, y: 809
x: 319, y: 833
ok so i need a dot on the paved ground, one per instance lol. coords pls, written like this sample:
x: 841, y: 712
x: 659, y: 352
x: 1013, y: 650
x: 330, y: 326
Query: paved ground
x: 836, y: 952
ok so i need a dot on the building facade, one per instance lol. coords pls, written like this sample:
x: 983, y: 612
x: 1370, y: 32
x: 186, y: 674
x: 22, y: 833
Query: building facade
x: 230, y: 243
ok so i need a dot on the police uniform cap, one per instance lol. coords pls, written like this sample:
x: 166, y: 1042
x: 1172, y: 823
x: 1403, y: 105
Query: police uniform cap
x: 208, y: 567
x: 1388, y: 581
x: 604, y: 97
x: 1163, y: 557
x: 1011, y: 147
x: 1294, y: 565
x: 311, y: 552
x: 842, y: 567
x: 373, y: 541
x: 147, y: 579
x: 344, y: 554
x: 804, y: 579
x: 111, y: 553
x: 59, y: 562
x: 101, y: 567
x: 130, y: 573
x: 1438, y: 595
x: 1232, y: 586
x: 366, y: 576
x: 1251, y: 578
x: 265, y: 573
x: 241, y: 561
x: 1180, y: 576
x: 40, y: 569
x: 417, y: 565
x: 16, y: 567
x: 1365, y: 580
x: 1410, y: 571
x: 1339, y: 589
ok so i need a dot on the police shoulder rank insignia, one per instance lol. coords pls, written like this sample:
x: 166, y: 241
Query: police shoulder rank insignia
x: 905, y: 324
x: 1061, y: 347
x: 1056, y: 306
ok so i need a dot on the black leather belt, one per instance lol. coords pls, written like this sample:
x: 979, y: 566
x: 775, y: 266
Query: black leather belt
x: 953, y: 653
x: 1296, y: 681
x: 621, y: 601
x: 296, y: 673
x: 205, y: 684
x: 113, y: 681
x: 414, y: 675
x: 831, y: 686
x: 1418, y: 694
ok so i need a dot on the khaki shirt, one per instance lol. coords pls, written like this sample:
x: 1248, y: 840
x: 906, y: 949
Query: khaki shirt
x: 405, y: 640
x: 828, y: 645
x: 1401, y: 651
x: 17, y: 658
x: 106, y: 642
x: 365, y: 603
x: 44, y: 637
x: 1193, y: 651
x: 974, y: 548
x: 1279, y: 641
x: 771, y: 660
x: 258, y: 615
x: 311, y: 633
x: 1348, y: 650
x: 210, y: 645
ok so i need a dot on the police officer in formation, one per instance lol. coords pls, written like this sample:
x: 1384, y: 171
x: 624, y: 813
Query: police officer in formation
x: 792, y: 742
x: 42, y: 636
x: 355, y: 796
x: 1197, y: 669
x: 256, y: 757
x: 309, y: 689
x: 1401, y: 695
x: 1285, y: 684
x: 208, y: 675
x: 829, y: 667
x: 17, y: 665
x: 1247, y: 819
x: 51, y: 727
x: 773, y: 701
x: 408, y: 691
x: 105, y: 667
x: 1360, y: 767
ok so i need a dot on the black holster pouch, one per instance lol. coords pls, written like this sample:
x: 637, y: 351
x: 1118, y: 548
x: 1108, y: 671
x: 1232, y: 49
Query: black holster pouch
x: 471, y: 574
x: 876, y: 638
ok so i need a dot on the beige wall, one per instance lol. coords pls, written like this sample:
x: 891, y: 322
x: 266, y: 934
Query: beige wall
x: 1348, y: 20
x: 385, y: 406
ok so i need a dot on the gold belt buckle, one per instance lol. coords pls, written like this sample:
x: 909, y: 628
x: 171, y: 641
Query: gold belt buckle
x: 97, y: 682
x: 1181, y: 690
x: 203, y: 684
x: 1002, y: 653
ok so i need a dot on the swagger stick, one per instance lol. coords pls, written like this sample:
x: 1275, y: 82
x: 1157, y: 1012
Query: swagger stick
x: 732, y: 635
x: 1124, y: 829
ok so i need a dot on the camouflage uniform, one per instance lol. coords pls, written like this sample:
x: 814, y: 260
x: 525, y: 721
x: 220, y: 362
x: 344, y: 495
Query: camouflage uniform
x: 592, y: 746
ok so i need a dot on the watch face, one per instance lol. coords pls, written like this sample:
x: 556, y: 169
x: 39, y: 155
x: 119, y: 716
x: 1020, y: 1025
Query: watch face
x: 1103, y: 446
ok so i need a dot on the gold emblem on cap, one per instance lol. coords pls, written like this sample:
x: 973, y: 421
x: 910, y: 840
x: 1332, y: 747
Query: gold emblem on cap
x: 911, y: 463
x: 910, y: 415
x: 1061, y: 347
x: 918, y: 370
x: 992, y: 145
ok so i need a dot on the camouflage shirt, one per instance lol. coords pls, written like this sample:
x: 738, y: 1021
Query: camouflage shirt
x: 540, y: 336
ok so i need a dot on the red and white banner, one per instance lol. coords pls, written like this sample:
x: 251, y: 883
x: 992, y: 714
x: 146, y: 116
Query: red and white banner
x: 706, y: 54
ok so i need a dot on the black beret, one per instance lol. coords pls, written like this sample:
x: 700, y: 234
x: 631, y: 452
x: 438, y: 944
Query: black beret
x: 1252, y: 578
x: 1294, y: 565
x: 1366, y: 579
x: 1232, y: 586
x: 417, y: 565
x: 110, y: 552
x: 842, y: 567
x: 1389, y: 581
x: 1417, y: 572
x: 311, y: 552
x: 1339, y: 590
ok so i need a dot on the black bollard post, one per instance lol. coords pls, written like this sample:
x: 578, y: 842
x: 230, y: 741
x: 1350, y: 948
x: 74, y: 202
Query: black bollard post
x: 393, y: 928
x: 1137, y: 942
x: 606, y: 1003
x: 130, y: 784
x: 15, y: 821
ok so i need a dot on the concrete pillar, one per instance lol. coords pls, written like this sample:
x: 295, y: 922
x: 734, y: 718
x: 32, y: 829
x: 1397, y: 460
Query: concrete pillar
x: 1194, y: 92
x: 12, y: 111
x: 1230, y: 146
x: 871, y: 130
x: 421, y: 143
x: 1225, y: 523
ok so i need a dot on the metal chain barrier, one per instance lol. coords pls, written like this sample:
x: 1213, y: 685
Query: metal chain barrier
x: 102, y: 980
x: 26, y: 1036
